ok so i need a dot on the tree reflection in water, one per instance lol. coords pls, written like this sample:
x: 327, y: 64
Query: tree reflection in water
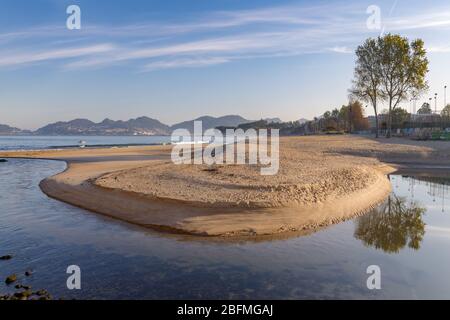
x: 392, y: 226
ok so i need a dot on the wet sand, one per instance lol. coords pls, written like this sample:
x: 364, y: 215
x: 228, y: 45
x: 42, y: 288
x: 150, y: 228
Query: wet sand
x: 322, y: 180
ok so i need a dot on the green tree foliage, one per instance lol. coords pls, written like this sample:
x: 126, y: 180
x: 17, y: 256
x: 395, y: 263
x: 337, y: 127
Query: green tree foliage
x: 392, y: 69
x: 445, y: 113
x: 366, y: 81
x: 402, y: 67
x: 399, y: 116
x: 347, y: 118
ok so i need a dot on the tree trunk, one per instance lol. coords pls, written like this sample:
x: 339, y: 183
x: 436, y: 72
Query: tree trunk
x: 376, y: 124
x: 389, y: 122
x: 374, y: 103
x: 350, y: 119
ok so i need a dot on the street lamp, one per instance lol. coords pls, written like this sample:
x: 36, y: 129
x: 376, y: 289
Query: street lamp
x: 435, y: 103
x: 445, y: 96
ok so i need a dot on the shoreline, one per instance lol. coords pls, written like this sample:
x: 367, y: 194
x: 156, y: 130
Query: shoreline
x: 77, y: 185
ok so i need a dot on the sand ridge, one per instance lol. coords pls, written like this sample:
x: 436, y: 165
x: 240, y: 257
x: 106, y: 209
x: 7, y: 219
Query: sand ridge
x: 322, y: 180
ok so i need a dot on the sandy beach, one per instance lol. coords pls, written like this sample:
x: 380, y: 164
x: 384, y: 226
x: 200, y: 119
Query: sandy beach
x: 322, y: 180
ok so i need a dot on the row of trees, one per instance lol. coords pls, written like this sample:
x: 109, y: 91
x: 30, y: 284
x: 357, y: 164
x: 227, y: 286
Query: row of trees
x: 389, y: 69
x: 348, y: 118
x: 426, y: 109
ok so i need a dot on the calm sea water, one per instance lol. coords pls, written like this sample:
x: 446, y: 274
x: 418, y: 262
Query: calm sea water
x: 408, y: 237
x: 44, y: 142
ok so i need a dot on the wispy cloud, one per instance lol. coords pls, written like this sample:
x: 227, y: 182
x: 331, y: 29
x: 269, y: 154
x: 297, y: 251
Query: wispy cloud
x: 30, y: 57
x: 341, y: 50
x: 223, y: 37
x: 429, y: 20
x: 439, y: 49
x: 185, y: 63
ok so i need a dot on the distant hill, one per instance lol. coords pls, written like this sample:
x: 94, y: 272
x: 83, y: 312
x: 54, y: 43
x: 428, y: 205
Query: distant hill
x: 139, y: 126
x: 212, y: 122
x: 6, y: 130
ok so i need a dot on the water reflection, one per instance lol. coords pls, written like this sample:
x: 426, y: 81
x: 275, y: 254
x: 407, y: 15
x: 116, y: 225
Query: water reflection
x: 120, y: 261
x: 394, y: 225
x: 437, y: 188
x: 398, y: 223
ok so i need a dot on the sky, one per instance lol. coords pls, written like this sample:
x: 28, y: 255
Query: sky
x: 175, y: 60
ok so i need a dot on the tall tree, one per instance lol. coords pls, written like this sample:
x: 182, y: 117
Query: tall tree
x: 367, y: 82
x: 403, y: 67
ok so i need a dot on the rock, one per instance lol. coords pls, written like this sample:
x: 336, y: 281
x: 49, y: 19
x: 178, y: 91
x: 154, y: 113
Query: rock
x: 23, y: 295
x: 12, y: 278
x: 6, y: 257
x: 43, y: 295
x: 28, y: 273
x: 41, y: 292
x: 21, y: 286
x: 3, y: 160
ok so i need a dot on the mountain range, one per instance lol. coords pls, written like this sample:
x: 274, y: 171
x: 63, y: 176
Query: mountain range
x: 6, y: 130
x: 139, y: 126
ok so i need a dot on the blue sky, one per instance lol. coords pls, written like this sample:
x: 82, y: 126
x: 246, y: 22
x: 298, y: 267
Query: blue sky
x: 176, y: 60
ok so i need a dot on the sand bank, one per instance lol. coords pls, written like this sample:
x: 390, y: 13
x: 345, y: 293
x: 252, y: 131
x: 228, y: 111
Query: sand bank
x: 322, y: 180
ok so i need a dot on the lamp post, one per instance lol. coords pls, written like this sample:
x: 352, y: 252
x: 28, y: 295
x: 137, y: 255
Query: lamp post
x: 445, y: 96
x: 435, y: 103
